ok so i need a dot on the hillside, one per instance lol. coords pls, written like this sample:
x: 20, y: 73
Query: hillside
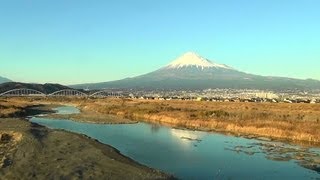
x: 3, y: 80
x: 45, y: 88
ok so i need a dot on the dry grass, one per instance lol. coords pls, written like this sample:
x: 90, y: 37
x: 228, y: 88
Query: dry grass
x: 10, y: 109
x: 298, y: 122
x: 92, y: 117
x: 8, y: 142
x: 287, y: 121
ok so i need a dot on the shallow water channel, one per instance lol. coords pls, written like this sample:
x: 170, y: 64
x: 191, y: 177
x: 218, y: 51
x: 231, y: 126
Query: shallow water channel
x: 198, y: 155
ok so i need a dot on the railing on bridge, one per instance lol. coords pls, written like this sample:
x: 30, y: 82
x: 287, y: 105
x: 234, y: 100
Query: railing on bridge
x: 68, y: 92
x: 22, y: 92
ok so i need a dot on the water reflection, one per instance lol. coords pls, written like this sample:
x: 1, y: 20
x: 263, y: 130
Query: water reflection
x: 155, y: 128
x: 66, y: 110
x: 186, y: 138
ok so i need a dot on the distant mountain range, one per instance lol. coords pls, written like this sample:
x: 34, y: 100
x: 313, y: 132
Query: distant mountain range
x: 45, y: 88
x: 191, y: 71
x: 3, y: 80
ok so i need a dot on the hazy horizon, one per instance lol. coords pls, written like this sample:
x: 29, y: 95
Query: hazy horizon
x: 78, y: 42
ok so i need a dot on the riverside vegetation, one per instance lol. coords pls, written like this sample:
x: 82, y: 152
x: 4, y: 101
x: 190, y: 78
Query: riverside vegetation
x: 294, y: 122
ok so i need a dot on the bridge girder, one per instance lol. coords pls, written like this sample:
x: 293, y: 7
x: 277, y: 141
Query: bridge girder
x: 68, y: 92
x: 23, y: 92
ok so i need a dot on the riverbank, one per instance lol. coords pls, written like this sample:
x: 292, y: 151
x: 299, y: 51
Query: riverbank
x: 92, y: 117
x: 35, y: 152
x: 289, y: 122
x: 22, y: 107
x: 297, y: 123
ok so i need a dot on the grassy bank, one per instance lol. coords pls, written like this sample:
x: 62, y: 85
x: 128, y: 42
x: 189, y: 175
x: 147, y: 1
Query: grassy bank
x: 88, y: 116
x: 9, y: 108
x: 294, y: 122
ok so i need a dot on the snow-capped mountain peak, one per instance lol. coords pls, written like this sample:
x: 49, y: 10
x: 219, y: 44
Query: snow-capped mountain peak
x: 191, y: 59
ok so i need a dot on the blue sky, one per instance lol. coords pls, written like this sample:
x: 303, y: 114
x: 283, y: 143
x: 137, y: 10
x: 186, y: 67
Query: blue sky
x: 79, y: 41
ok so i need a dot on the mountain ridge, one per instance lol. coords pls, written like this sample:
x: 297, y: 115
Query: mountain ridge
x: 44, y: 88
x: 3, y: 80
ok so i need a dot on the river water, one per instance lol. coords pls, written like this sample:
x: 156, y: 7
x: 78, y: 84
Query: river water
x: 198, y: 155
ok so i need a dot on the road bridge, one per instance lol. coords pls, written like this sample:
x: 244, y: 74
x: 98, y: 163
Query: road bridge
x: 64, y: 92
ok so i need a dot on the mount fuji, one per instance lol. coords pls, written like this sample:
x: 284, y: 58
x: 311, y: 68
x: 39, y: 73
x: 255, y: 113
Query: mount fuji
x: 191, y: 71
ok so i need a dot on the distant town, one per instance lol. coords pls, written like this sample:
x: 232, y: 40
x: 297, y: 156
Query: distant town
x: 230, y: 95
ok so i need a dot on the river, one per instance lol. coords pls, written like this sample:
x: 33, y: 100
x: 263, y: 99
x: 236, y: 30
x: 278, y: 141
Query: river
x: 198, y: 155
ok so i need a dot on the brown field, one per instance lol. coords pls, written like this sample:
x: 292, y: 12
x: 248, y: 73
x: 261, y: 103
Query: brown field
x: 294, y: 122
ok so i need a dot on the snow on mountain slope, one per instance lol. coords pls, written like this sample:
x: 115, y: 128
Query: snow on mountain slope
x: 190, y: 59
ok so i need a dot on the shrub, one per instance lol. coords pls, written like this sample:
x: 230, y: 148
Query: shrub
x: 192, y: 115
x: 220, y: 113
